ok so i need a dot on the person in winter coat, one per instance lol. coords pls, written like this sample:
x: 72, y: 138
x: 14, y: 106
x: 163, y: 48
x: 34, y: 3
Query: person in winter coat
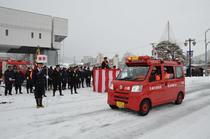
x: 69, y: 79
x: 64, y: 78
x: 9, y: 78
x: 57, y: 80
x: 82, y: 77
x: 1, y: 75
x: 38, y: 77
x: 19, y: 78
x: 78, y: 77
x: 105, y: 64
x: 50, y: 72
x: 29, y: 81
x: 73, y: 80
x: 88, y: 77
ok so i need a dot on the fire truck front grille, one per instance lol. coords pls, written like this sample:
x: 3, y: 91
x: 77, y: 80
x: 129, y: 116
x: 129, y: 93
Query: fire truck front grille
x: 121, y: 96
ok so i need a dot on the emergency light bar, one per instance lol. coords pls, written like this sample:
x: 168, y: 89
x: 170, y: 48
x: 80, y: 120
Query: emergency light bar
x: 137, y: 59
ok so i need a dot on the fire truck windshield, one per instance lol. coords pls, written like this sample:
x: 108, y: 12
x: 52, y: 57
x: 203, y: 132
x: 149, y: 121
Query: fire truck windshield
x: 133, y: 73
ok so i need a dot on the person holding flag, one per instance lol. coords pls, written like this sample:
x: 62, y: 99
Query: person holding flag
x: 39, y: 79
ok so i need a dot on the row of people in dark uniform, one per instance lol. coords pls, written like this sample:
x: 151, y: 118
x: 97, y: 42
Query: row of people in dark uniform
x: 68, y: 78
x: 13, y: 77
x: 43, y: 78
x: 57, y: 79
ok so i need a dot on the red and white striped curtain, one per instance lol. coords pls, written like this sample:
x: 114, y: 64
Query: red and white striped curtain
x: 102, y: 79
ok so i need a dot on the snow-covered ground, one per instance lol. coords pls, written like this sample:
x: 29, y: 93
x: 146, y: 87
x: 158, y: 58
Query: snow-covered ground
x: 87, y: 115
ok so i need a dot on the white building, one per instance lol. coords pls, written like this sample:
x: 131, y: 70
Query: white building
x: 24, y: 32
x: 100, y: 58
x: 89, y: 59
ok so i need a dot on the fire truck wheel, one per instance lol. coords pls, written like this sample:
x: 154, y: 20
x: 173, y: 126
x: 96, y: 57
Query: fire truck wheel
x: 179, y: 98
x: 144, y: 107
x: 113, y: 106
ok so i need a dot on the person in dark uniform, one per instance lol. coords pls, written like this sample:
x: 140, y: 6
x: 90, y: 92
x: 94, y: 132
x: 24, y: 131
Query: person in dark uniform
x: 88, y: 77
x: 19, y: 78
x: 64, y: 78
x: 57, y: 80
x: 29, y: 82
x: 73, y: 80
x: 45, y: 69
x: 1, y: 75
x: 50, y: 72
x: 78, y: 77
x: 38, y: 78
x: 68, y: 77
x: 82, y: 76
x: 9, y: 78
x: 105, y: 64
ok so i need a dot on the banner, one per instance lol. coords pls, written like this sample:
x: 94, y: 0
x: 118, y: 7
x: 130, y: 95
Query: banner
x: 102, y: 78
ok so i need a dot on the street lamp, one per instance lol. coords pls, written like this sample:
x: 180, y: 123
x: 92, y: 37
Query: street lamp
x: 206, y: 54
x: 189, y: 41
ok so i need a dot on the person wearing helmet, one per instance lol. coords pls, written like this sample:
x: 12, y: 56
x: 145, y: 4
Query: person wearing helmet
x: 166, y: 74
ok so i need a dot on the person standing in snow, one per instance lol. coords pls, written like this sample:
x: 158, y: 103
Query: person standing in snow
x: 38, y: 78
x: 9, y: 78
x: 57, y: 80
x: 73, y: 80
x: 88, y: 77
x: 19, y: 78
x: 29, y: 82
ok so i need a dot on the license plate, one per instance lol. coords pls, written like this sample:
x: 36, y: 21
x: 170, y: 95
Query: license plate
x: 120, y: 104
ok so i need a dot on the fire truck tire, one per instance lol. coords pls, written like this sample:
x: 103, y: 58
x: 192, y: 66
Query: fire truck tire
x: 144, y: 107
x: 179, y: 98
x: 113, y: 106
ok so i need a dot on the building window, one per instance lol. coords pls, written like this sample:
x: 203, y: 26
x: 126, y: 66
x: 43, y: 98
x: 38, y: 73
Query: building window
x: 32, y: 35
x: 40, y: 35
x: 6, y: 32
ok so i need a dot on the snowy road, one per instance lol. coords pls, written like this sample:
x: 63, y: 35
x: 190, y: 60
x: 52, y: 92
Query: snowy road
x: 86, y: 115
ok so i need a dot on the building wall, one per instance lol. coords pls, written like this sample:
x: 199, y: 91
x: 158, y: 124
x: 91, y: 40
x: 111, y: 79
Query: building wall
x: 21, y: 24
x: 89, y: 59
x: 52, y: 57
x: 60, y: 26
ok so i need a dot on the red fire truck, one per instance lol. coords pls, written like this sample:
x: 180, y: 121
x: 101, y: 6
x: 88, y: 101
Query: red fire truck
x: 146, y: 82
x: 19, y: 64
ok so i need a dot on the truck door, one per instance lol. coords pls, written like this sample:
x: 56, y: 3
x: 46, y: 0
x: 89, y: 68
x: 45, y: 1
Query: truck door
x: 170, y: 82
x: 156, y: 85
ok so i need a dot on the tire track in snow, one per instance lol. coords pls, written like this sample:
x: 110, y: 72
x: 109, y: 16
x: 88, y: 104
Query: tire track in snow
x: 138, y: 126
x: 62, y: 119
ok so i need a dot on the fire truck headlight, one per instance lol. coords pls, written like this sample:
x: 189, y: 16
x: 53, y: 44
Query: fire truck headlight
x: 111, y: 87
x: 136, y: 88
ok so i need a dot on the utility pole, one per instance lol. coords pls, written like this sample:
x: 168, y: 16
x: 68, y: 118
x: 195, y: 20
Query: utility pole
x: 189, y: 41
x: 206, y: 53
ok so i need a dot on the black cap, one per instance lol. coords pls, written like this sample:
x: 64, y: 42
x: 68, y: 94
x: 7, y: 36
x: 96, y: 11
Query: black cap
x: 57, y: 66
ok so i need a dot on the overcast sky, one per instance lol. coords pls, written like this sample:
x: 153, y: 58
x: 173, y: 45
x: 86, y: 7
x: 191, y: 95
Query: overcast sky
x: 118, y: 26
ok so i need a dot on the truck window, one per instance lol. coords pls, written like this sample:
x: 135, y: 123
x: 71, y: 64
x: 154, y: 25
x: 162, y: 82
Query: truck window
x: 155, y: 74
x: 133, y: 73
x: 179, y: 73
x: 168, y: 72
